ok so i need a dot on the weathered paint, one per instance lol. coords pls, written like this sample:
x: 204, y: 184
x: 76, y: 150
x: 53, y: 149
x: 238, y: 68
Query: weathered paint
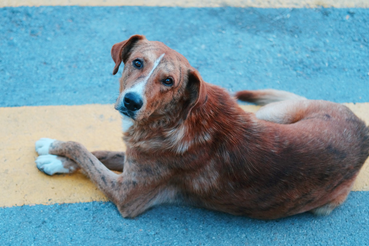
x: 98, y: 127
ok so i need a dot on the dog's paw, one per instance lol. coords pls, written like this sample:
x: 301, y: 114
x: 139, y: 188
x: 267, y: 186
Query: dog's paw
x: 52, y: 164
x: 43, y: 146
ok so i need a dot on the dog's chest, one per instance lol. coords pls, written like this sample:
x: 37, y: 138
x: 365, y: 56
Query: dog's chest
x: 126, y: 123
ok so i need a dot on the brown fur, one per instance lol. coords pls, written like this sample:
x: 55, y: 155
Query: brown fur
x: 193, y: 142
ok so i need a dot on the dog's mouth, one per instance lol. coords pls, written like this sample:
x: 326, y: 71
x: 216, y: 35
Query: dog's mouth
x: 129, y: 114
x: 126, y: 112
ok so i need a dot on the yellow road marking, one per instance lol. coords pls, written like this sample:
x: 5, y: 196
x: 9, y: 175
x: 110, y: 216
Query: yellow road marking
x: 96, y: 126
x: 195, y: 3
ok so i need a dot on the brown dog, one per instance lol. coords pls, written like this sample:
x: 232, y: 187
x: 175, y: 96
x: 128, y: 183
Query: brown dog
x: 189, y: 140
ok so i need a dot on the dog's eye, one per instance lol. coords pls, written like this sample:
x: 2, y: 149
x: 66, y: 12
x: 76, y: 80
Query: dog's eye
x: 168, y: 81
x: 137, y: 63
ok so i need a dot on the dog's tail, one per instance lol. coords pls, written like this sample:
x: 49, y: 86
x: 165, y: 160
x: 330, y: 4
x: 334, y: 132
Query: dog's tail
x: 263, y: 97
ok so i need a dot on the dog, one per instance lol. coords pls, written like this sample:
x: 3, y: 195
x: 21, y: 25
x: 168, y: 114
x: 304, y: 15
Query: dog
x: 189, y: 141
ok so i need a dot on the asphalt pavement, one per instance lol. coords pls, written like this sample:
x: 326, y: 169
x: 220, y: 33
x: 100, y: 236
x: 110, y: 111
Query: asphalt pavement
x: 56, y: 72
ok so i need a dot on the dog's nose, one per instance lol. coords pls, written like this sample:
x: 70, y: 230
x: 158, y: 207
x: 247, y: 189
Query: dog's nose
x: 132, y: 101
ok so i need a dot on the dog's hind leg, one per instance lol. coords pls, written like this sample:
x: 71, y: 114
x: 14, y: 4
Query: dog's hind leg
x: 326, y: 209
x: 343, y: 192
x: 263, y: 97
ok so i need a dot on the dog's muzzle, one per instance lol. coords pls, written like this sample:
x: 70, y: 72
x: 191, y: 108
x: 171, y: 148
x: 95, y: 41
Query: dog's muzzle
x: 131, y: 103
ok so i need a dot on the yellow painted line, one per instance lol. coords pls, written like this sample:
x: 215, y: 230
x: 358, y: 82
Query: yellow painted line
x: 195, y: 3
x: 98, y: 127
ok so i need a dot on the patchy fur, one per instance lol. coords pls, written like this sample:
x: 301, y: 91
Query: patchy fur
x: 190, y: 141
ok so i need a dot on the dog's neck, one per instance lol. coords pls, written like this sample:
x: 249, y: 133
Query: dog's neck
x: 200, y: 127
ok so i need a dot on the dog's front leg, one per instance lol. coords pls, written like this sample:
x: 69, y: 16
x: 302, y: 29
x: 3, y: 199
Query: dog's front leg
x: 52, y: 164
x: 105, y: 179
x: 131, y: 196
x: 114, y: 160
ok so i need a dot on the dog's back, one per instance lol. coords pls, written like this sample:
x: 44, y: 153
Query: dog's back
x: 311, y: 157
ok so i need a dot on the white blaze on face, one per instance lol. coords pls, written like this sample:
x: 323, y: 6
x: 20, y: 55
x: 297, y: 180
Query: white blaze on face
x: 139, y: 88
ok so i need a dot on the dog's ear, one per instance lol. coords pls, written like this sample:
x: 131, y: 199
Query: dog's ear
x: 121, y: 51
x: 196, y: 90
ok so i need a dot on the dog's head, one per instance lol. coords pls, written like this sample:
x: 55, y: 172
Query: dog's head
x: 156, y: 81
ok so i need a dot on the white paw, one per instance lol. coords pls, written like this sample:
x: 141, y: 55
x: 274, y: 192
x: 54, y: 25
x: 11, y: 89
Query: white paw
x: 43, y: 146
x: 50, y: 164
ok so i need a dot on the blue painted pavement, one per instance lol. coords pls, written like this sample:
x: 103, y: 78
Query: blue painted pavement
x: 61, y: 55
x: 99, y: 223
